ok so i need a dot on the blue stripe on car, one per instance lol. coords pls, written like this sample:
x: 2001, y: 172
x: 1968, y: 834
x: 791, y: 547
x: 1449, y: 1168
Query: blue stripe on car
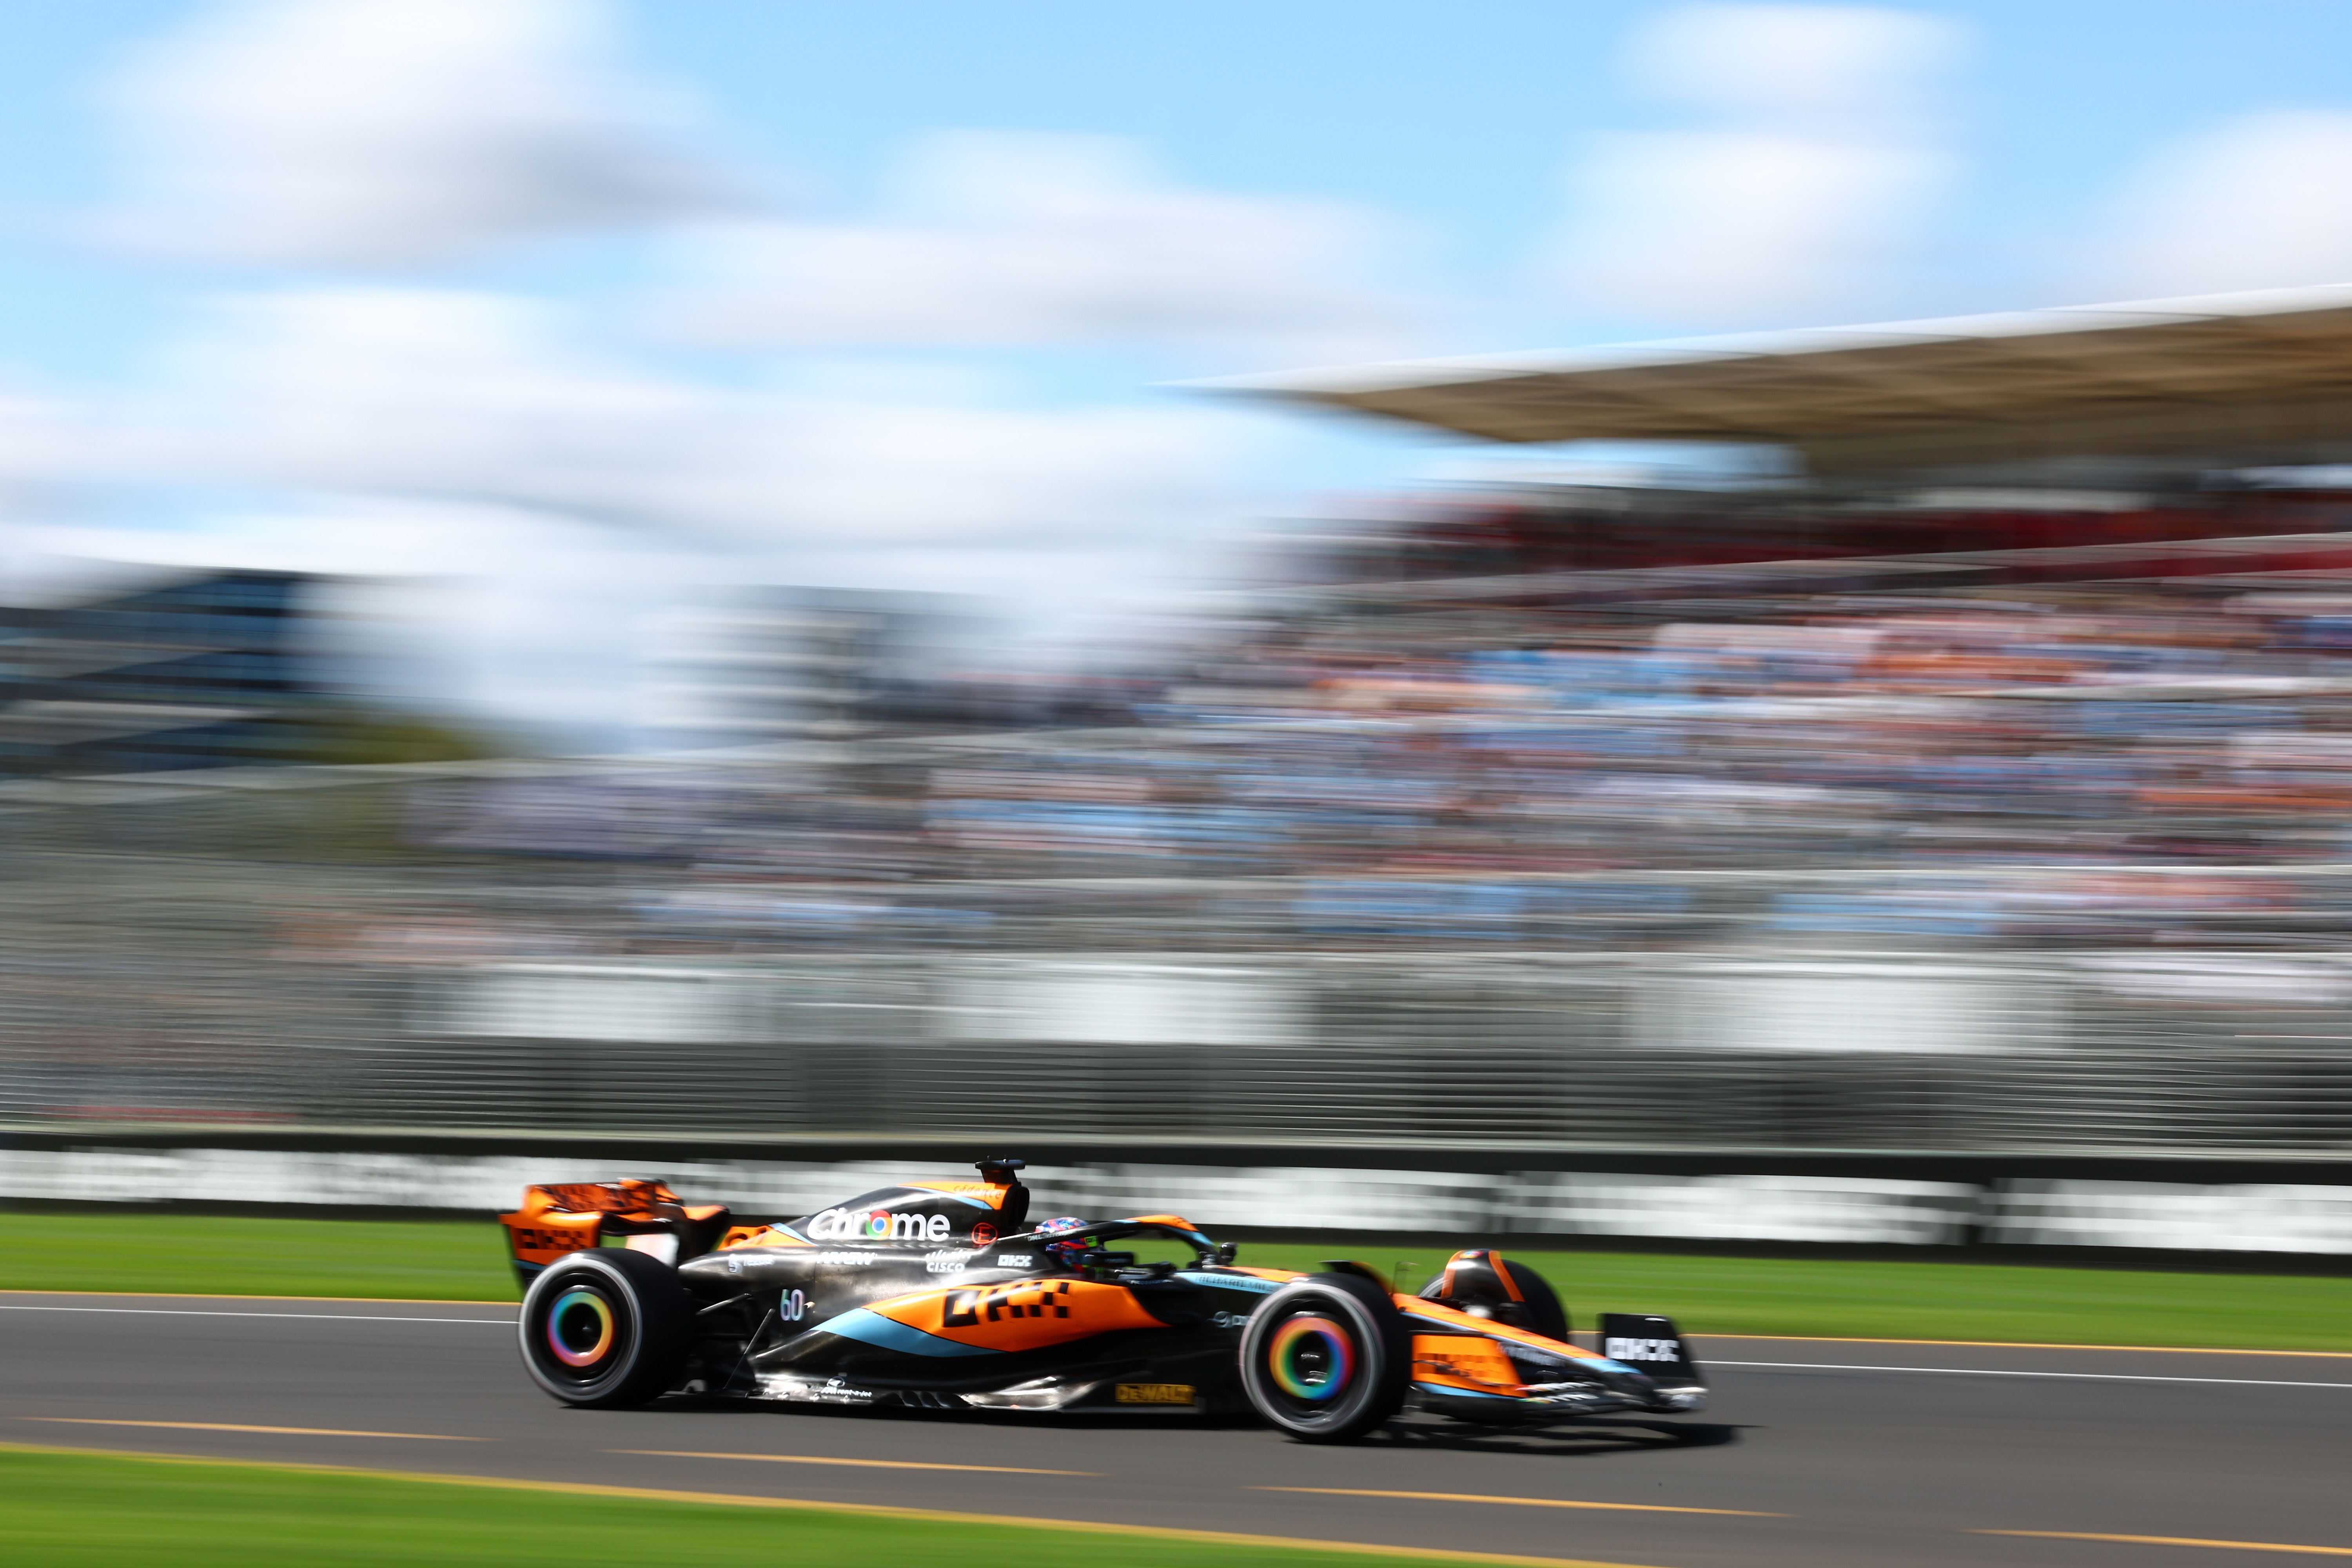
x: 1461, y: 1392
x: 1249, y: 1282
x: 890, y: 1334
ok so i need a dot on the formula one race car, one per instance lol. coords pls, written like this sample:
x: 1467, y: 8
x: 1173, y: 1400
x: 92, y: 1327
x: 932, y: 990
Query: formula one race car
x: 934, y: 1294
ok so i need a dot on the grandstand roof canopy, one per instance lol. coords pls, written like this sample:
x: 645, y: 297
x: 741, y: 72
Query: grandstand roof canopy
x: 2251, y: 377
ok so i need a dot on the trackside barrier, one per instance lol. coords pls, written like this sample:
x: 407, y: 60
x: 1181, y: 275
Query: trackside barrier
x: 2253, y: 1217
x: 2249, y: 1217
x: 1415, y: 1052
x: 2244, y: 1056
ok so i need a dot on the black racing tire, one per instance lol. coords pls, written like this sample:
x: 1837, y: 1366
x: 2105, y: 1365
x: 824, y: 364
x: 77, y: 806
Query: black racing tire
x: 1327, y: 1358
x: 1538, y: 1307
x: 606, y: 1328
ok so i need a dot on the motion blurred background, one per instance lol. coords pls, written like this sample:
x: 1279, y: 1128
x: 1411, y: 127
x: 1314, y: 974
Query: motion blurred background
x: 744, y: 589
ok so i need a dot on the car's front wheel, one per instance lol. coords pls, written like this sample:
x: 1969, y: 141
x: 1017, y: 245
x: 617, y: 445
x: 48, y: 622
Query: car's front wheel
x: 1325, y: 1358
x: 606, y: 1327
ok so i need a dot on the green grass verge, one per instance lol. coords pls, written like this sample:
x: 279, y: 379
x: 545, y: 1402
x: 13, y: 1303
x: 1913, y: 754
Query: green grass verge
x: 195, y: 1254
x: 1926, y: 1301
x: 1839, y: 1296
x: 77, y: 1511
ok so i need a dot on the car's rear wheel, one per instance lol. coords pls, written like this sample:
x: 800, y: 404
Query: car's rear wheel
x: 607, y: 1327
x: 1325, y: 1358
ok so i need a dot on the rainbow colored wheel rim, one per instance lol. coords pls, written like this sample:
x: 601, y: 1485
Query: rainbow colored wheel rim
x: 1312, y: 1358
x: 580, y: 1326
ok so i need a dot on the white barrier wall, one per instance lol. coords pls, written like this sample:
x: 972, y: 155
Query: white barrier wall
x: 2249, y: 1218
x: 1846, y: 1008
x: 1124, y: 1003
x: 1748, y: 1209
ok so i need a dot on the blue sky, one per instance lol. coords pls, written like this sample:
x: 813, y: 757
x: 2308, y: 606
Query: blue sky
x: 1457, y: 120
x: 765, y: 291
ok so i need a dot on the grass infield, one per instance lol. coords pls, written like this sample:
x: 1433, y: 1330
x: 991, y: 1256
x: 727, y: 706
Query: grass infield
x: 79, y: 1510
x: 1841, y: 1298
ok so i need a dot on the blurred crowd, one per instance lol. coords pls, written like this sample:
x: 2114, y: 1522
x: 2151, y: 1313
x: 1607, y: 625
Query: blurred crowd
x: 2085, y: 764
x: 1527, y: 736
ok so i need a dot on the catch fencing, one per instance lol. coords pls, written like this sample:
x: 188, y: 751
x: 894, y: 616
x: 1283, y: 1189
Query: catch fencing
x: 2118, y: 1053
x: 268, y: 955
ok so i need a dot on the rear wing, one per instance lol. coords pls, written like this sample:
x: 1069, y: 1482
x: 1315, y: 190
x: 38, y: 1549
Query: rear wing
x: 565, y: 1218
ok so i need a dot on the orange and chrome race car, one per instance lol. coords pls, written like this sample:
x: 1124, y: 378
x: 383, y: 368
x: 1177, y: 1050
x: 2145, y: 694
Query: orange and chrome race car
x: 941, y: 1294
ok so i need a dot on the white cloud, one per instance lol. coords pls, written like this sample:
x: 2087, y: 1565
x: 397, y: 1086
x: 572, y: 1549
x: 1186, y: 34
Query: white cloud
x: 1001, y: 238
x: 554, y: 496
x: 45, y: 453
x: 450, y: 395
x: 42, y: 446
x: 545, y: 493
x: 1806, y: 188
x: 1827, y: 64
x: 2262, y: 201
x: 396, y: 133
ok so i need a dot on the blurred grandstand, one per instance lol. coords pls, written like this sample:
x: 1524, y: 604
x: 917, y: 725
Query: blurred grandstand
x: 201, y: 672
x: 1982, y: 788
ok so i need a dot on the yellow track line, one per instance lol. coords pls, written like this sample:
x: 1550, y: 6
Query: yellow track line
x: 877, y: 1464
x: 225, y: 1426
x: 878, y: 1511
x: 1520, y: 1501
x: 2174, y: 1540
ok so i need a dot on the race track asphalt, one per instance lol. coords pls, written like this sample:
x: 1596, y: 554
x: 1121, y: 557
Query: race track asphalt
x: 1823, y: 1452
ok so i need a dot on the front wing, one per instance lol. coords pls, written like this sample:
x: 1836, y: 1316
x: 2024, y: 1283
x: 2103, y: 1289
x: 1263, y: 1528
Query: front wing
x: 1481, y: 1369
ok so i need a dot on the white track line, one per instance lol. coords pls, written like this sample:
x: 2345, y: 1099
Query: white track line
x: 1776, y: 1365
x: 2004, y: 1372
x: 192, y: 1313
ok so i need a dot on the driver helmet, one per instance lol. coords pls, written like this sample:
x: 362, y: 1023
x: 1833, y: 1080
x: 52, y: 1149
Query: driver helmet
x: 1061, y: 1226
